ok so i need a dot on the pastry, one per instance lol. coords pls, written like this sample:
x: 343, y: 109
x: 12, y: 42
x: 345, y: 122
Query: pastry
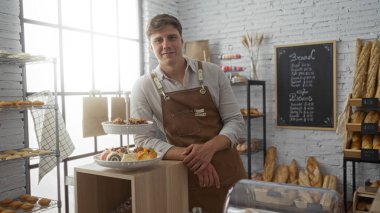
x: 118, y: 121
x: 376, y: 142
x: 24, y: 197
x: 270, y: 160
x: 32, y: 199
x: 23, y: 103
x: 44, y: 202
x: 104, y: 154
x: 27, y: 206
x: 372, y: 117
x: 136, y: 121
x: 146, y: 154
x: 357, y: 117
x: 5, y: 202
x: 38, y: 103
x: 361, y: 206
x: 356, y: 141
x: 305, y: 196
x: 293, y: 172
x: 367, y: 141
x: 282, y: 174
x: 8, y: 211
x: 113, y: 156
x: 15, y: 204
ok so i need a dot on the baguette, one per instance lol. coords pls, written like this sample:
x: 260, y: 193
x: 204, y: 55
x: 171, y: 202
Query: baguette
x: 357, y: 117
x: 270, y: 160
x: 332, y: 182
x: 356, y: 141
x: 367, y: 141
x: 359, y: 85
x: 373, y: 70
x: 293, y: 172
x: 376, y: 142
x: 372, y: 117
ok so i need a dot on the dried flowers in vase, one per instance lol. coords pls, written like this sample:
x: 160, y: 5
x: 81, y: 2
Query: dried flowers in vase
x: 252, y: 44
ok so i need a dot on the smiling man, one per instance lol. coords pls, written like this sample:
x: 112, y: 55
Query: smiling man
x: 192, y: 103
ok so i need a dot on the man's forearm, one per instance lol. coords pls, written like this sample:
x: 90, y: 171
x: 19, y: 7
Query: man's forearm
x: 175, y: 153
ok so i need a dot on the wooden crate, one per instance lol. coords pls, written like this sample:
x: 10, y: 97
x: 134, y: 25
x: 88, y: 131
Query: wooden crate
x: 159, y: 189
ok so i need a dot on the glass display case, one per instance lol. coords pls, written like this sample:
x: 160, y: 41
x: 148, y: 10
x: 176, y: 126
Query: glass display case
x: 249, y: 196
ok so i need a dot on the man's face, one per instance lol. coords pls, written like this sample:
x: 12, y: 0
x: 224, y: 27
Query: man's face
x: 167, y: 45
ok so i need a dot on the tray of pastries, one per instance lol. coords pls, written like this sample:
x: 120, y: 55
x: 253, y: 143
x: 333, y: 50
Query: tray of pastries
x: 22, y: 153
x: 20, y: 104
x: 26, y: 203
x: 130, y: 126
x: 119, y: 158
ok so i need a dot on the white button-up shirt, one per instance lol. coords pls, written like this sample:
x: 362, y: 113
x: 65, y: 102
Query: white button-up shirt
x: 146, y: 102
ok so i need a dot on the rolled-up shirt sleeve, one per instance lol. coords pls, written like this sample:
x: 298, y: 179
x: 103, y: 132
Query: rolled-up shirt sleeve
x: 141, y: 103
x: 233, y: 122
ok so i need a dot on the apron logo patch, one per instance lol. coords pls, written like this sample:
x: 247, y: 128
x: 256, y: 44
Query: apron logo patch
x: 200, y: 112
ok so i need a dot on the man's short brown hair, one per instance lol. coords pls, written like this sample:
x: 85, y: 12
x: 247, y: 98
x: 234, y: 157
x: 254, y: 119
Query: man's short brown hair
x: 159, y: 21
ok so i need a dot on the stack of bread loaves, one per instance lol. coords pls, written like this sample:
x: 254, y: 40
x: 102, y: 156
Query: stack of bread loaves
x: 364, y: 141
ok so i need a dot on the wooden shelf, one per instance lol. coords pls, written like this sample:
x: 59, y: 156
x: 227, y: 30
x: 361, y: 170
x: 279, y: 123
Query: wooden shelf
x: 357, y: 127
x: 356, y: 102
x: 159, y: 189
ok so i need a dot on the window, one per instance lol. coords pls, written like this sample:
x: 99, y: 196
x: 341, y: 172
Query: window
x: 97, y: 47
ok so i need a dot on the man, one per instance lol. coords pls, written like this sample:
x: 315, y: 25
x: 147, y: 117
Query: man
x: 193, y: 104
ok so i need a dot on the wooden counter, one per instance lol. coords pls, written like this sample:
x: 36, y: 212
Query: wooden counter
x: 161, y: 188
x: 375, y: 208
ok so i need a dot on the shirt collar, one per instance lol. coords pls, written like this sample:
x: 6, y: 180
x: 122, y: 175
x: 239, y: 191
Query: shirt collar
x: 190, y: 63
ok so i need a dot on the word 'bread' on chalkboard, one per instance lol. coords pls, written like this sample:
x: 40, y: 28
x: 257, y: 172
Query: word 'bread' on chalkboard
x: 305, y: 85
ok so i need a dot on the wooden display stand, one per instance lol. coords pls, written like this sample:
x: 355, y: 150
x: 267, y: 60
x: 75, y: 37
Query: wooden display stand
x: 160, y: 189
x: 375, y: 208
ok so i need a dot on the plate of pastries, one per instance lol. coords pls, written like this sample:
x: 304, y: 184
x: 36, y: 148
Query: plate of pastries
x: 131, y: 126
x: 25, y: 203
x: 120, y: 158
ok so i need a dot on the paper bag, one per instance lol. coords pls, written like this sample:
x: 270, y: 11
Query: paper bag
x: 198, y: 50
x: 118, y: 108
x: 95, y: 111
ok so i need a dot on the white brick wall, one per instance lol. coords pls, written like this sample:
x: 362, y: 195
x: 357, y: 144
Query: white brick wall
x: 222, y: 22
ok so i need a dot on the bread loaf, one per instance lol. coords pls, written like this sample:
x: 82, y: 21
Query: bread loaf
x: 326, y: 179
x: 332, y: 182
x: 270, y: 160
x: 313, y: 171
x: 326, y: 200
x: 359, y: 85
x: 372, y: 70
x: 356, y: 141
x: 282, y: 174
x: 303, y: 179
x: 293, y: 172
x: 367, y: 141
x: 376, y: 142
x: 357, y: 117
x: 372, y: 117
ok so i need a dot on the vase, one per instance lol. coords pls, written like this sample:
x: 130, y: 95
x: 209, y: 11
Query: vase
x: 253, y: 71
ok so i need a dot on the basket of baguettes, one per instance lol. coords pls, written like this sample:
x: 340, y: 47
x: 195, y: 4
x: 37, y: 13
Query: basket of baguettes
x: 366, y: 84
x: 290, y: 174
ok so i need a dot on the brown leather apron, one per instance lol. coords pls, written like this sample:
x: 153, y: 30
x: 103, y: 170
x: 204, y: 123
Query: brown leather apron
x: 190, y: 116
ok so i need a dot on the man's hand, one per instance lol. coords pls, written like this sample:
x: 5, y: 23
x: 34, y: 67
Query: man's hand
x: 198, y: 156
x: 209, y: 177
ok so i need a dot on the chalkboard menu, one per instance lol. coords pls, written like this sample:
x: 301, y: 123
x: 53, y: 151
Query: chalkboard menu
x: 305, y: 85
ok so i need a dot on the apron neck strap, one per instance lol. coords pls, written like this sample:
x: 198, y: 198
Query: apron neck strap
x: 160, y: 88
x: 200, y: 78
x: 158, y: 85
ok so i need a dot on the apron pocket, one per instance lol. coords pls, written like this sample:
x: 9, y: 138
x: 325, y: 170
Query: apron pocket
x: 185, y: 123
